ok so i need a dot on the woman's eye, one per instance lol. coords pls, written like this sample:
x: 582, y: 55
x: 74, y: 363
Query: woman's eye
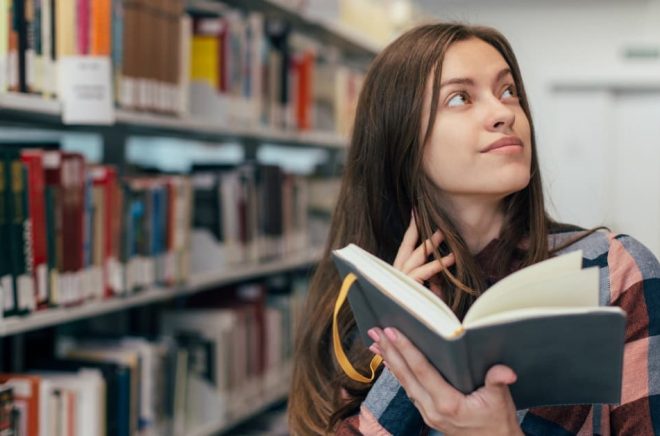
x: 457, y: 100
x: 510, y: 91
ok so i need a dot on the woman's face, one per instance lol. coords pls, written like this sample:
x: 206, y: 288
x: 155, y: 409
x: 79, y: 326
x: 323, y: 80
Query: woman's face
x: 478, y: 105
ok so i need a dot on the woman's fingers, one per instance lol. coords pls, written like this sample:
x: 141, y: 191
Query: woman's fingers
x: 438, y: 391
x: 398, y: 366
x: 407, y: 244
x: 420, y: 254
x: 500, y: 375
x: 425, y: 272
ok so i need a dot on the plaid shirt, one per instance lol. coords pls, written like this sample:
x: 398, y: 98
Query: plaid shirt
x: 629, y: 278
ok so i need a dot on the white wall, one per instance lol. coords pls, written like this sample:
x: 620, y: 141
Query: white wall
x: 573, y: 42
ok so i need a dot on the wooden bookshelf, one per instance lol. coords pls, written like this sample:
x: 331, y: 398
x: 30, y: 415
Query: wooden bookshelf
x: 197, y: 283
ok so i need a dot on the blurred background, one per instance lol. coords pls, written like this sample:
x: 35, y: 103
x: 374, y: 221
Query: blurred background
x: 168, y: 169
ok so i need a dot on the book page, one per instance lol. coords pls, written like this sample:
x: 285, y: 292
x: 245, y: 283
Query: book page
x: 409, y: 294
x: 529, y: 313
x: 569, y: 290
x: 538, y: 272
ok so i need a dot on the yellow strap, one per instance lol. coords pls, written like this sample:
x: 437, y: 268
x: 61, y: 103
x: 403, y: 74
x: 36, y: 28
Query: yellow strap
x: 339, y: 350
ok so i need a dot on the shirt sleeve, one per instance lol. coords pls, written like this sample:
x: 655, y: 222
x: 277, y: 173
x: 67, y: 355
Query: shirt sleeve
x: 385, y: 411
x: 634, y: 274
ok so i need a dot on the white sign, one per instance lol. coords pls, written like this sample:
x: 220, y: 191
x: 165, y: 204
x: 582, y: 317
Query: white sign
x: 85, y: 89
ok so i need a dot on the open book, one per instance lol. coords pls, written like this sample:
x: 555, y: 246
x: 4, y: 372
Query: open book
x: 543, y: 321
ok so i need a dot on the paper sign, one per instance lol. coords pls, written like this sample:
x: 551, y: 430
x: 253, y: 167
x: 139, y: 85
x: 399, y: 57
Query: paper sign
x: 85, y: 89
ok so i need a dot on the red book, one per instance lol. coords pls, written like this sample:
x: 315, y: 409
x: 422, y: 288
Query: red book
x: 82, y: 32
x: 73, y: 184
x: 170, y: 247
x: 105, y: 178
x: 26, y: 398
x: 53, y: 174
x: 33, y: 160
x: 304, y: 94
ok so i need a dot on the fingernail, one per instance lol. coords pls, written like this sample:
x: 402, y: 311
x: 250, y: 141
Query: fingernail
x: 373, y: 334
x: 375, y: 349
x: 391, y: 334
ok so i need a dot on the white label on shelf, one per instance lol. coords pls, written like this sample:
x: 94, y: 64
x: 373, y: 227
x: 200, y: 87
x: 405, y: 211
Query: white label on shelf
x: 4, y: 73
x: 42, y: 282
x: 96, y: 274
x: 114, y: 272
x: 130, y: 274
x: 8, y: 288
x: 149, y: 271
x: 55, y: 289
x: 13, y: 69
x: 170, y: 266
x: 26, y: 295
x: 85, y: 88
x: 64, y: 288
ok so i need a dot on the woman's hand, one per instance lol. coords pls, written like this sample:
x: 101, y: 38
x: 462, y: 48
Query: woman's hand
x: 412, y: 260
x: 489, y: 410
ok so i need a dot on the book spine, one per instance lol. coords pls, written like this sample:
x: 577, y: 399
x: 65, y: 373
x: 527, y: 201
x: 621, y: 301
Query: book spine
x: 47, y: 61
x: 88, y: 284
x: 33, y: 159
x: 101, y: 28
x: 4, y: 45
x: 12, y: 48
x: 73, y: 182
x: 117, y: 23
x: 20, y: 26
x: 83, y: 26
x: 54, y: 215
x: 20, y: 235
x: 6, y: 280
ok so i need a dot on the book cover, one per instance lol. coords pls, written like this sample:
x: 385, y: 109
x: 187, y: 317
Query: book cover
x: 73, y: 227
x: 543, y: 321
x: 26, y: 397
x: 114, y: 376
x: 20, y: 235
x: 6, y: 281
x: 54, y: 223
x: 33, y: 159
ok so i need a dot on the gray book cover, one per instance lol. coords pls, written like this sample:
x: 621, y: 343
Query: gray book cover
x: 559, y: 359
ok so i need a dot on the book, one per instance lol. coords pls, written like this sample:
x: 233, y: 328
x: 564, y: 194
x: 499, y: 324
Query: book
x: 542, y: 321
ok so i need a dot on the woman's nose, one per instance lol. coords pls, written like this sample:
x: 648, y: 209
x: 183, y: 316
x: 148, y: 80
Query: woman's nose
x: 499, y: 115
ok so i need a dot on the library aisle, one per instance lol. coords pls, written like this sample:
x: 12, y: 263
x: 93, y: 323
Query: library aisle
x: 168, y: 170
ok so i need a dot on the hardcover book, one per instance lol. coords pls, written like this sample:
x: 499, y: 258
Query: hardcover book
x: 543, y: 321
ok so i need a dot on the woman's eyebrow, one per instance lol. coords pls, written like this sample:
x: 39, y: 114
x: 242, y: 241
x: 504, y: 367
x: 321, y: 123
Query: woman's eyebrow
x: 470, y: 82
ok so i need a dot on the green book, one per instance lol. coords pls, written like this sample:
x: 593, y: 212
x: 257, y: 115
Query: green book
x: 543, y: 321
x: 20, y: 236
x: 6, y: 279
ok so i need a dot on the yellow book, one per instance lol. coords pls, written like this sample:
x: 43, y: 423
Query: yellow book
x: 4, y: 42
x: 204, y: 61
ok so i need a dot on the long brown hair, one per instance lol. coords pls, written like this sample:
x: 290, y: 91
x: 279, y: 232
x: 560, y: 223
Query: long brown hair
x: 383, y: 182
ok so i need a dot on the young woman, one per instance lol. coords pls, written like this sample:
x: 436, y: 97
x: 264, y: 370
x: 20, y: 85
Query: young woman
x: 442, y: 180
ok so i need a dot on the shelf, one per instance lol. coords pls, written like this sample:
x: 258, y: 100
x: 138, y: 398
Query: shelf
x: 33, y: 109
x: 60, y: 315
x: 351, y: 42
x: 269, y: 399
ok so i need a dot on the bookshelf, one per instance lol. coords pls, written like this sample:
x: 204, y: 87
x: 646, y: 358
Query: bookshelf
x: 270, y: 398
x: 350, y: 41
x: 197, y: 283
x: 34, y: 111
x: 350, y: 52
